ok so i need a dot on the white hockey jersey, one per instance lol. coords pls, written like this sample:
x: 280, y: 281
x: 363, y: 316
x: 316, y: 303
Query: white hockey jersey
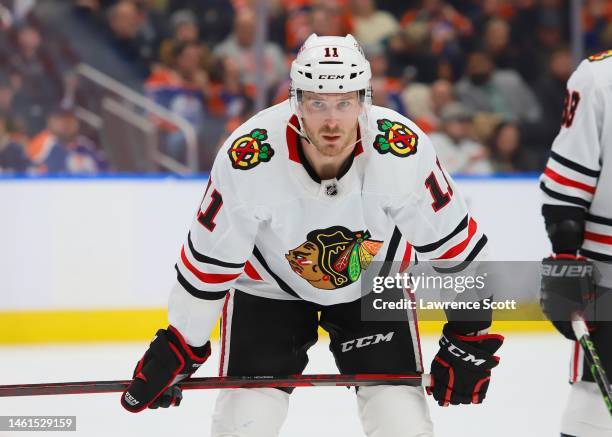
x: 578, y: 172
x: 269, y: 227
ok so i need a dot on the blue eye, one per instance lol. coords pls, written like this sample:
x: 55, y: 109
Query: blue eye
x: 345, y: 104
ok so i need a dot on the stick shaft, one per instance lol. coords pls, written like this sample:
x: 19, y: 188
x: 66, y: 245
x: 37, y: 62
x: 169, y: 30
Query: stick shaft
x: 414, y: 379
x: 599, y: 374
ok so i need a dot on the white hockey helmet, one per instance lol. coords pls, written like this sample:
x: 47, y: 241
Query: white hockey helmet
x: 330, y: 64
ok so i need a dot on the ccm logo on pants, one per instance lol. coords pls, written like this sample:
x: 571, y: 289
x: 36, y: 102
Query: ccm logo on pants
x: 366, y: 341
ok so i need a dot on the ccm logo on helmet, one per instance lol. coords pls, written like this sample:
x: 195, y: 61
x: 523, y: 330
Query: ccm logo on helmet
x: 331, y: 76
x: 366, y: 341
x: 460, y: 353
x: 571, y: 271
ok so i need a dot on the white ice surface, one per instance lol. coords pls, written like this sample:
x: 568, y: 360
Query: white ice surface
x: 525, y: 399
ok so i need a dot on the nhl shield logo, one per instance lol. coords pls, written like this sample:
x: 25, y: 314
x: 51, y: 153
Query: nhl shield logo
x: 397, y: 138
x: 249, y: 150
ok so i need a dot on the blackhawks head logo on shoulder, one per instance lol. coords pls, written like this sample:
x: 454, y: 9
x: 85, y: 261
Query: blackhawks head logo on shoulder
x: 600, y: 56
x: 333, y: 257
x: 397, y: 138
x: 249, y: 150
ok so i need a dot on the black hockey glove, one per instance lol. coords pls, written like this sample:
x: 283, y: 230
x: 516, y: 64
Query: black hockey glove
x: 567, y: 287
x: 168, y: 360
x: 461, y: 370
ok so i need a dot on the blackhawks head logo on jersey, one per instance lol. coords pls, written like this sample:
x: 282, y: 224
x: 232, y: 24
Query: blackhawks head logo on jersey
x: 249, y: 150
x: 397, y: 138
x: 333, y: 257
x: 600, y: 56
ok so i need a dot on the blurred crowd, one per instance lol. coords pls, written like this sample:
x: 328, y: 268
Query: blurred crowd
x: 485, y: 78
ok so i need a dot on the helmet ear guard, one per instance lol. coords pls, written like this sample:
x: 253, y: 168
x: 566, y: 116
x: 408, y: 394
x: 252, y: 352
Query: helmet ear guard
x: 365, y: 96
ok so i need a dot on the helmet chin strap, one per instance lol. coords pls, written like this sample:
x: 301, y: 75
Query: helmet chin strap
x: 304, y: 135
x: 300, y: 132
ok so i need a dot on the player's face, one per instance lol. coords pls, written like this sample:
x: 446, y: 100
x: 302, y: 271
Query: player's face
x: 330, y: 120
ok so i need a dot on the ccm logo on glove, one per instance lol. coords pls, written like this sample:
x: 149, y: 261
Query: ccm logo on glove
x: 461, y: 370
x: 168, y: 360
x: 129, y: 399
x: 459, y: 353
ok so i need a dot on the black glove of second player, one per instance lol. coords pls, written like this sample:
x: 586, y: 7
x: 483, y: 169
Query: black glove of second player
x: 461, y: 370
x: 567, y: 287
x: 168, y: 360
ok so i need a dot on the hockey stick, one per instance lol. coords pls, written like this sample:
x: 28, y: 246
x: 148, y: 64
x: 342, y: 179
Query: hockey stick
x: 581, y: 331
x: 61, y: 388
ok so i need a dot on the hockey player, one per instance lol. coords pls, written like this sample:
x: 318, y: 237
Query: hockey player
x: 301, y: 199
x: 577, y: 209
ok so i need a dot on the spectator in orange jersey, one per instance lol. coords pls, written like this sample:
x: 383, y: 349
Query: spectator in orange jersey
x: 13, y: 158
x: 181, y: 89
x: 61, y: 148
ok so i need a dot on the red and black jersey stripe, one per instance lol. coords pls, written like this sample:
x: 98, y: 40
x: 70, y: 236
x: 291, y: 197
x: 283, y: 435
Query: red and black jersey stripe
x: 195, y: 292
x: 200, y: 257
x: 457, y: 249
x: 598, y: 219
x: 436, y: 245
x: 568, y: 182
x: 209, y: 278
x: 466, y: 224
x: 564, y: 197
x: 574, y: 165
x: 468, y: 259
x: 595, y: 255
x: 595, y: 235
